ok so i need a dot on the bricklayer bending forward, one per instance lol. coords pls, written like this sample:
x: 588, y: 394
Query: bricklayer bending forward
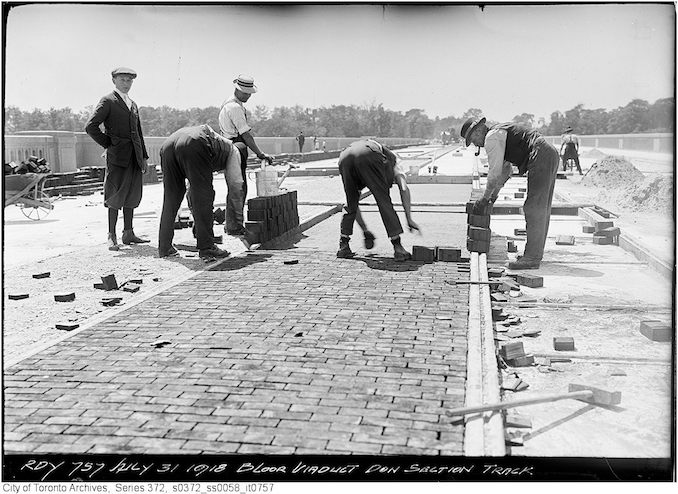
x: 194, y: 154
x: 367, y: 163
x: 511, y: 144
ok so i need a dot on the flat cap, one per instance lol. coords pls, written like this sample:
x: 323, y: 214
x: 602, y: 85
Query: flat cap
x: 124, y: 70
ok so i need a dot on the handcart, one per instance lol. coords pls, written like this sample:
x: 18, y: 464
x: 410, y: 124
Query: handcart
x: 26, y: 191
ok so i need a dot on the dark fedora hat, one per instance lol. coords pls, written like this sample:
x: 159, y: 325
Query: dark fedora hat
x: 469, y: 126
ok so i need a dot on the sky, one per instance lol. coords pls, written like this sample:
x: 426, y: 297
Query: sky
x: 444, y: 59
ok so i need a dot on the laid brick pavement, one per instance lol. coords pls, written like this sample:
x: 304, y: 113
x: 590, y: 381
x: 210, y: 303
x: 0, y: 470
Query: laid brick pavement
x: 323, y: 357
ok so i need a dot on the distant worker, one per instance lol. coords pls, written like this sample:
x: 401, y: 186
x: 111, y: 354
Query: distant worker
x: 194, y: 154
x: 509, y: 144
x: 367, y: 163
x: 126, y: 156
x: 234, y: 126
x: 569, y: 149
x: 300, y: 140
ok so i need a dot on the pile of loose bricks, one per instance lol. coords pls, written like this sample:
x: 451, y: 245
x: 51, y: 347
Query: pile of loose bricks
x: 269, y: 217
x: 600, y: 225
x: 478, y: 232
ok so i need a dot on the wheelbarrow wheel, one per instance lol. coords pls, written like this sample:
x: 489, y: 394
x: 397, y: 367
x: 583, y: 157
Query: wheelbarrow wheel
x: 37, y: 213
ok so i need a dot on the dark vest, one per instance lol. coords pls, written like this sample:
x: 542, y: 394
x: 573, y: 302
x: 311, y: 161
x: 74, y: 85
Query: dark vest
x: 520, y: 144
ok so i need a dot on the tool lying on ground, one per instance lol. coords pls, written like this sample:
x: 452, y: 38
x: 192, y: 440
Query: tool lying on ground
x: 581, y: 392
x: 491, y: 282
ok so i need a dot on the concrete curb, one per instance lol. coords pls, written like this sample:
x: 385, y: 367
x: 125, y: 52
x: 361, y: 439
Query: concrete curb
x: 642, y: 253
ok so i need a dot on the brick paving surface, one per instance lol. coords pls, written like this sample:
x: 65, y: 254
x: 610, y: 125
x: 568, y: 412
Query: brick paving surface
x: 325, y: 356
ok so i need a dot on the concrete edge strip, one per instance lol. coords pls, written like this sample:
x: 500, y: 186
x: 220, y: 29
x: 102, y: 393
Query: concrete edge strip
x: 611, y: 359
x: 99, y: 318
x: 474, y: 441
x: 642, y: 253
x: 494, y: 422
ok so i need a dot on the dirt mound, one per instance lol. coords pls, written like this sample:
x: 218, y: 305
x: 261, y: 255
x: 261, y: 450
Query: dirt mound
x: 594, y: 153
x: 622, y: 183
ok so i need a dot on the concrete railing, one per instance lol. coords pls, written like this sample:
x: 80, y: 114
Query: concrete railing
x: 67, y: 151
x: 654, y: 143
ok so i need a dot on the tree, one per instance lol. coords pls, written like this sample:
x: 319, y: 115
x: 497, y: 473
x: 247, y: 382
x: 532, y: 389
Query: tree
x: 524, y: 119
x: 472, y: 113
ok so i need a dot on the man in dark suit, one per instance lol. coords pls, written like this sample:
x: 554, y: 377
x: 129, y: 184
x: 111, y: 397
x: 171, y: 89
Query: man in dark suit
x: 126, y: 156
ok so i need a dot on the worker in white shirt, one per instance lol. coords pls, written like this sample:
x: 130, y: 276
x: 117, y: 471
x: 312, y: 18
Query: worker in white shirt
x: 509, y: 144
x: 234, y: 126
x: 569, y: 149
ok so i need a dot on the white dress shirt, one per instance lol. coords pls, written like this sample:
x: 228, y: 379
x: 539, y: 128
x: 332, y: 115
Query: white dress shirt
x: 233, y: 118
x: 125, y: 98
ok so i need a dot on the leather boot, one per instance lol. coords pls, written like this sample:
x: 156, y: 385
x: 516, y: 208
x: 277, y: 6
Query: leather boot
x: 113, y: 242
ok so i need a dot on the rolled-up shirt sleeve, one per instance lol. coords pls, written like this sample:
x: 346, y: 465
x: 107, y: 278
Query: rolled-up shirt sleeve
x: 499, y: 170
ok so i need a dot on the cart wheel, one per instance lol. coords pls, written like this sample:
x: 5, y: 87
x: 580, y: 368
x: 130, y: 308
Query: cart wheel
x: 36, y: 213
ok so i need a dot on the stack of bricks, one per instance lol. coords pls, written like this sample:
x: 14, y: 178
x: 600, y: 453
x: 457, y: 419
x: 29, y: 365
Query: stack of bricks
x: 431, y: 254
x: 478, y: 232
x: 271, y: 216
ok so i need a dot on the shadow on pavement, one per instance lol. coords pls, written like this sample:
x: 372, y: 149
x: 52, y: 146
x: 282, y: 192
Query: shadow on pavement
x: 284, y: 244
x: 240, y: 262
x: 388, y: 263
x: 568, y: 270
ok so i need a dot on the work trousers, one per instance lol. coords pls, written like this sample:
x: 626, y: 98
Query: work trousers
x: 181, y: 159
x: 541, y: 180
x: 240, y: 145
x: 361, y: 167
x: 571, y: 155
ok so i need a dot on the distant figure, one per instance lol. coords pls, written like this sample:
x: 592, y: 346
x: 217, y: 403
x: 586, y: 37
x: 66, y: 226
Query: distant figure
x: 367, y: 163
x: 234, y: 126
x: 315, y: 143
x: 324, y: 147
x: 300, y: 140
x: 569, y: 149
x: 126, y: 156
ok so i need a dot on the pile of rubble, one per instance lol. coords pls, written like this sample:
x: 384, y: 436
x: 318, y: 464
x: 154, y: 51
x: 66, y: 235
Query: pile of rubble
x: 622, y: 183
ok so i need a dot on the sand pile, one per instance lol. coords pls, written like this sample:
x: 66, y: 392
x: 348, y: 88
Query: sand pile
x: 622, y: 183
x: 594, y: 153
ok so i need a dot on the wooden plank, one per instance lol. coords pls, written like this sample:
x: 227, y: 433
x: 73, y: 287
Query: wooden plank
x: 595, y: 219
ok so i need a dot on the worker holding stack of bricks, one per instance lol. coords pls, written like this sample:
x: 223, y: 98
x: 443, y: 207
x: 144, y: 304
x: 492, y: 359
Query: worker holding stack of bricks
x: 194, y: 154
x: 367, y: 163
x: 509, y: 144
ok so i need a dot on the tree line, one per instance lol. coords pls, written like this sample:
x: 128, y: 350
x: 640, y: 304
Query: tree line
x: 638, y: 116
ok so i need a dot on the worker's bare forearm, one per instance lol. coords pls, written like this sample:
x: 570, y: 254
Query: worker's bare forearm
x: 249, y: 140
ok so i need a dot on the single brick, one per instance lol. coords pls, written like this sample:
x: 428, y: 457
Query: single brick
x: 602, y: 240
x: 495, y: 272
x: 17, y: 296
x: 519, y: 195
x: 481, y: 221
x: 511, y: 246
x: 477, y: 246
x: 522, y: 189
x: 523, y: 361
x: 530, y: 280
x: 67, y: 326
x: 448, y: 254
x: 41, y: 275
x: 99, y: 286
x: 64, y: 297
x: 520, y: 231
x: 478, y: 233
x: 600, y: 396
x: 563, y: 343
x: 565, y: 240
x: 109, y: 282
x: 588, y: 229
x: 137, y: 281
x: 612, y: 231
x: 421, y: 253
x: 518, y: 421
x: 512, y: 350
x: 656, y: 330
x: 131, y: 287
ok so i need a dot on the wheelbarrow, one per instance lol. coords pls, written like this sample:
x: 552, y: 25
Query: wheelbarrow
x: 27, y: 192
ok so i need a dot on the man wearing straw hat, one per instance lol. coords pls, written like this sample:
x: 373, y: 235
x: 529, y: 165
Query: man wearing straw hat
x: 509, y: 144
x: 234, y: 126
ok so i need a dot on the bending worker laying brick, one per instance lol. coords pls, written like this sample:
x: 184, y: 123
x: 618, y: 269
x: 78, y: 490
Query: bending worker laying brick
x: 195, y: 153
x: 510, y: 144
x: 367, y: 163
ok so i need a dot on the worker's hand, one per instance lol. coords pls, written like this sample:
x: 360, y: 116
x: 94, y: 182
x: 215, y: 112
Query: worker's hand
x: 269, y: 159
x: 479, y: 206
x: 413, y: 226
x: 144, y: 166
